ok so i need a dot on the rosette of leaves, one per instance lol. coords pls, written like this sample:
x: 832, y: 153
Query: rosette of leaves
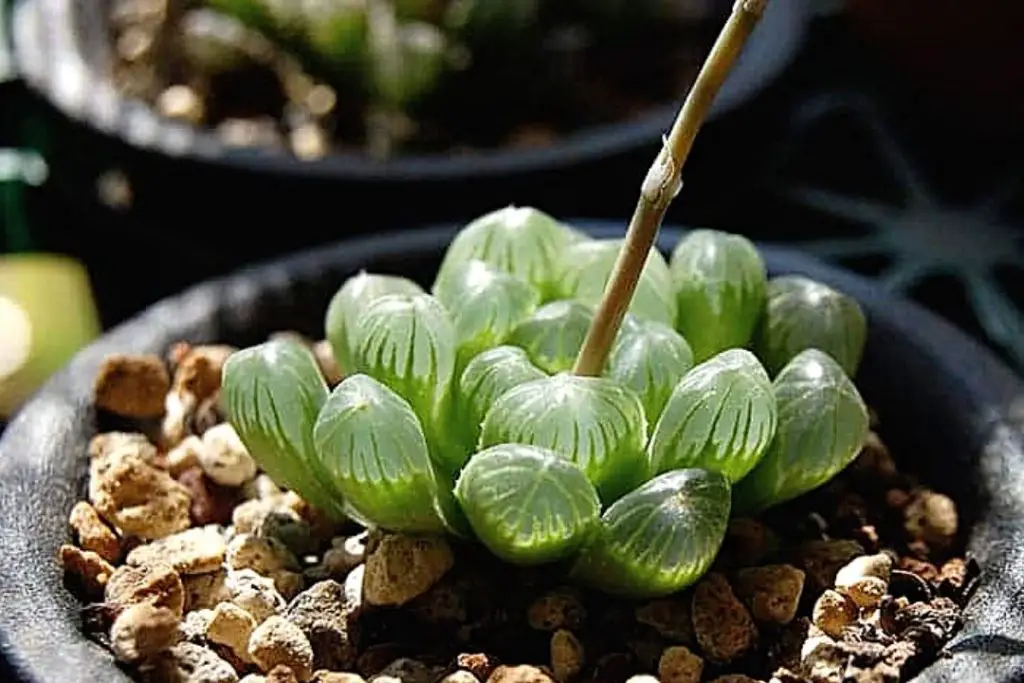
x: 802, y: 314
x: 822, y: 425
x: 719, y: 280
x: 587, y: 265
x: 721, y: 417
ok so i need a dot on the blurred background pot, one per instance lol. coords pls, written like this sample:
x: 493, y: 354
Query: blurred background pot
x: 947, y: 408
x: 208, y: 207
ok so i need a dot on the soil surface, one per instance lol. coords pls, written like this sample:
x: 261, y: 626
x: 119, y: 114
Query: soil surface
x: 195, y: 567
x: 196, y: 65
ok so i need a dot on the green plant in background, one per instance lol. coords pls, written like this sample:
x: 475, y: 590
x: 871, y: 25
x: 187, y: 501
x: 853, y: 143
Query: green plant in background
x: 515, y: 406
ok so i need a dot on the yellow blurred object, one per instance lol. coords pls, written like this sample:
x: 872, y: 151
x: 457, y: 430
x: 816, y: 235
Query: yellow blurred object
x: 47, y: 313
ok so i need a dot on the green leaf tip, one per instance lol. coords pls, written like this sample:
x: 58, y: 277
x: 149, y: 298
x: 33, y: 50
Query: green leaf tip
x: 802, y: 314
x: 528, y: 505
x: 553, y: 335
x: 650, y: 358
x: 593, y: 421
x: 272, y: 394
x: 720, y: 280
x: 522, y: 241
x: 487, y: 377
x: 351, y: 299
x: 721, y: 416
x: 369, y: 440
x: 659, y: 538
x: 822, y: 425
x: 587, y: 266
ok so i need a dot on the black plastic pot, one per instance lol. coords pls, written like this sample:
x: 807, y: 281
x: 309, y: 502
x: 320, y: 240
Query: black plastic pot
x: 197, y: 200
x: 948, y: 410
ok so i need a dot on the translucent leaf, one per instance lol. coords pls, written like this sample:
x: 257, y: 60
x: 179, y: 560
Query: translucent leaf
x: 721, y: 417
x: 528, y: 505
x: 587, y: 266
x: 485, y: 305
x: 650, y: 358
x: 487, y: 377
x: 719, y: 281
x: 272, y: 394
x: 553, y: 335
x: 518, y: 240
x: 406, y: 341
x: 804, y: 314
x: 369, y: 440
x: 660, y: 538
x: 354, y: 296
x: 593, y: 421
x: 822, y: 425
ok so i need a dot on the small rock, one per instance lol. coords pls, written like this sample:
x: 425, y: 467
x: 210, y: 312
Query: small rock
x: 748, y: 542
x: 88, y: 567
x: 262, y: 486
x: 158, y: 585
x: 224, y: 458
x: 253, y: 678
x: 254, y: 593
x: 336, y: 677
x: 193, y: 628
x: 103, y: 445
x: 205, y: 591
x: 954, y: 572
x: 402, y: 568
x: 136, y: 497
x: 288, y: 583
x: 642, y: 678
x: 833, y: 612
x: 866, y: 592
x: 772, y: 591
x: 345, y: 554
x: 821, y: 560
x: 250, y: 516
x: 142, y: 631
x: 211, y: 503
x: 92, y: 532
x: 878, y: 566
x: 262, y: 555
x: 925, y: 570
x: 555, y: 610
x: 195, y: 551
x: 566, y: 655
x: 231, y: 626
x: 460, y: 676
x: 477, y: 663
x: 199, y: 368
x: 404, y: 670
x: 326, y: 615
x: 670, y: 617
x: 735, y: 678
x: 931, y: 517
x: 185, y: 455
x: 679, y: 665
x: 723, y: 626
x: 523, y: 673
x: 191, y: 663
x: 132, y: 386
x: 281, y: 674
x: 279, y: 642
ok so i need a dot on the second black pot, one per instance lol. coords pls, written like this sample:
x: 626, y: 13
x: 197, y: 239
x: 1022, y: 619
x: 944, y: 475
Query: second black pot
x: 948, y: 409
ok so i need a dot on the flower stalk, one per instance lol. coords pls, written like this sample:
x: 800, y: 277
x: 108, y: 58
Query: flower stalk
x: 662, y: 184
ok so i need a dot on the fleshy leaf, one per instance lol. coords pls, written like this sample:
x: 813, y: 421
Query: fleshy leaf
x: 272, y: 394
x: 485, y: 305
x: 487, y: 377
x: 553, y: 335
x: 521, y: 241
x: 650, y: 358
x: 406, y: 341
x: 369, y: 440
x: 354, y: 296
x: 721, y: 417
x: 587, y: 266
x: 527, y: 504
x: 720, y: 283
x: 804, y: 314
x: 659, y: 538
x: 823, y: 424
x: 593, y: 421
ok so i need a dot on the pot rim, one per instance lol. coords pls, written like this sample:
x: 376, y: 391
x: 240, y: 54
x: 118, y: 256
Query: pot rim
x: 984, y: 385
x: 76, y: 92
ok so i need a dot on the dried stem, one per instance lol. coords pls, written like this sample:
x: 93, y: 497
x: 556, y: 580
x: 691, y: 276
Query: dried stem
x: 662, y: 184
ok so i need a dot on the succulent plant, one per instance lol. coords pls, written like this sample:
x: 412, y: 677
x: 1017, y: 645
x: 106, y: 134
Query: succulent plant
x: 802, y: 314
x: 462, y: 411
